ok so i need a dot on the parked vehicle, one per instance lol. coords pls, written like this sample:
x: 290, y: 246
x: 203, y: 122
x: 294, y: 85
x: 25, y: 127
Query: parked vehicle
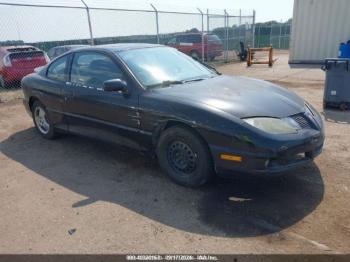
x: 191, y: 44
x: 59, y: 50
x: 154, y: 98
x: 19, y: 61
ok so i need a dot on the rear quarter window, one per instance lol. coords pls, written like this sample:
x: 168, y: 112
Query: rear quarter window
x: 58, y: 69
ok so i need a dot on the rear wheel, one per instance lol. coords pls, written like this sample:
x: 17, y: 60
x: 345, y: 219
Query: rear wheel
x: 343, y: 106
x: 3, y: 83
x: 185, y: 157
x: 42, y: 121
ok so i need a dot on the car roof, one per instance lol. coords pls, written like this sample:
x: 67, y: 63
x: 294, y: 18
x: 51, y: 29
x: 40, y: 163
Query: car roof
x: 77, y: 45
x: 195, y: 33
x: 121, y: 47
x: 63, y: 46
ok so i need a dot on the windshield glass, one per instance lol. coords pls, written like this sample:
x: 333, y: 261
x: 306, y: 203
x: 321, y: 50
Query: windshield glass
x: 155, y: 66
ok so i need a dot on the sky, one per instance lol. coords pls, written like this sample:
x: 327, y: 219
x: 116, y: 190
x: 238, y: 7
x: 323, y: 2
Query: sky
x: 33, y: 24
x: 266, y: 10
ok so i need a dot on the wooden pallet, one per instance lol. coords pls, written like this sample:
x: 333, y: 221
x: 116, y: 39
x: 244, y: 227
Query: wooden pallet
x: 252, y: 51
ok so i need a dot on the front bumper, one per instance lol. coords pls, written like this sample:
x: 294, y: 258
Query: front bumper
x: 293, y: 155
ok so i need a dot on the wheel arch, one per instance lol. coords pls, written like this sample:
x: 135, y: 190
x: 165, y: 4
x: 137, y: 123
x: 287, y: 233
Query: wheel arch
x: 31, y: 101
x: 209, y: 170
x: 177, y: 123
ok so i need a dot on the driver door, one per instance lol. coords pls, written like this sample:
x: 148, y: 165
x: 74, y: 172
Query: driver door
x: 93, y: 112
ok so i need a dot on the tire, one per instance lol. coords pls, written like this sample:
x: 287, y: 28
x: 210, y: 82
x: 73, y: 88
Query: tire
x: 325, y: 105
x: 194, y: 55
x: 42, y: 121
x: 3, y: 83
x: 185, y: 157
x: 343, y: 107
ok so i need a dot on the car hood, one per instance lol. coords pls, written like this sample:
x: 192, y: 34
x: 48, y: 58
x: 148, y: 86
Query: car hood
x: 239, y: 96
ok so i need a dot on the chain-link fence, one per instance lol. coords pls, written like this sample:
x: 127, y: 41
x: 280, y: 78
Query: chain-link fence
x: 273, y: 33
x: 45, y: 26
x: 211, y: 35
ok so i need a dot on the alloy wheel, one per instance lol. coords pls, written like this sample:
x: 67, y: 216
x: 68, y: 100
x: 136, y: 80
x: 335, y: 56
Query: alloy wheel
x: 40, y: 119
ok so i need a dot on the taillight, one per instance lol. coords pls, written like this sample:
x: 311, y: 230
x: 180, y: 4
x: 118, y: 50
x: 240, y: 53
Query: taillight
x: 47, y: 59
x: 7, y: 61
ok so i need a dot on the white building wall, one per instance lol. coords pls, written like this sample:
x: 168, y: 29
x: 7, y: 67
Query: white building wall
x: 319, y: 26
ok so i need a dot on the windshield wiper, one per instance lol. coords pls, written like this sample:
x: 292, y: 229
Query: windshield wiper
x: 209, y: 66
x: 172, y: 82
x: 167, y: 83
x: 194, y: 80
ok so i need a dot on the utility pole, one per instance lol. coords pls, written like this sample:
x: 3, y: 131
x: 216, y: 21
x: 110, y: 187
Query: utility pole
x: 202, y: 15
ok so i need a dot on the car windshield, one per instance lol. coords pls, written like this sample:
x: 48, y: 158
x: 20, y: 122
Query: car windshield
x: 159, y: 66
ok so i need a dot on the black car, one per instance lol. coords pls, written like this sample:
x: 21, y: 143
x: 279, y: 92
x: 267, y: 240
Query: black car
x: 155, y: 98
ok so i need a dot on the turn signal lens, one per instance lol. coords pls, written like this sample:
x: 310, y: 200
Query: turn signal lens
x: 231, y: 157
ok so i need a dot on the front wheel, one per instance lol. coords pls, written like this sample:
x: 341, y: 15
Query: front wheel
x: 42, y: 121
x: 185, y: 157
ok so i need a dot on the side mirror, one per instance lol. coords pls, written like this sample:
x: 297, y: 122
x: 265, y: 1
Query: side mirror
x: 115, y: 85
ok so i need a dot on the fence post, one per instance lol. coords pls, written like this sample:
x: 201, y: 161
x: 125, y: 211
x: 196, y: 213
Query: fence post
x: 279, y: 39
x: 208, y: 27
x: 253, y: 29
x: 226, y: 35
x: 157, y: 22
x: 202, y: 15
x: 259, y: 30
x: 89, y: 21
x: 239, y: 25
x: 271, y: 34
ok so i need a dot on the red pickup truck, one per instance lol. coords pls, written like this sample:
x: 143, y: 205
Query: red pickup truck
x: 191, y: 44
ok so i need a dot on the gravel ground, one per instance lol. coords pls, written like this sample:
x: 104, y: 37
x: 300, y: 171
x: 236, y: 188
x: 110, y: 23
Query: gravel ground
x: 74, y: 195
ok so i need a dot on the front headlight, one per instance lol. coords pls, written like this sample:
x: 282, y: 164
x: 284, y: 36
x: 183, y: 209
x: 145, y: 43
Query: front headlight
x: 274, y: 125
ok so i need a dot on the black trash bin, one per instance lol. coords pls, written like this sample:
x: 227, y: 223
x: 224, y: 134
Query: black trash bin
x: 337, y: 86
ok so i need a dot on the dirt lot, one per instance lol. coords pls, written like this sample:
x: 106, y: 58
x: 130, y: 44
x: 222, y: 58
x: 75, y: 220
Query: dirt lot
x: 73, y: 195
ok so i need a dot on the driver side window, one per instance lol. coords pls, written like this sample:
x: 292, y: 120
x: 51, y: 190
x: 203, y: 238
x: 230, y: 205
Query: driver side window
x: 57, y: 70
x: 91, y: 69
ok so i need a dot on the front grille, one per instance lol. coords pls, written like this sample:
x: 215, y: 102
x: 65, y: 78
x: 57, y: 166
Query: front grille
x: 303, y: 121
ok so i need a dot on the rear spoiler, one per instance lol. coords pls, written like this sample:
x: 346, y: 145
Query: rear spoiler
x: 25, y: 53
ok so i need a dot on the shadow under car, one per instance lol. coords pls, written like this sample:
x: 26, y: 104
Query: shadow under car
x: 225, y: 207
